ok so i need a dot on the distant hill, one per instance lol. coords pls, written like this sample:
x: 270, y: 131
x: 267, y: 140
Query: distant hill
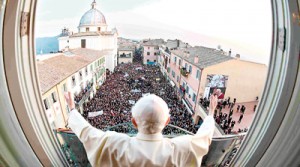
x: 46, y: 45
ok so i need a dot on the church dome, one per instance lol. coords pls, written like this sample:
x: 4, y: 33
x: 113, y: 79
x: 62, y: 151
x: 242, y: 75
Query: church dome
x: 93, y: 17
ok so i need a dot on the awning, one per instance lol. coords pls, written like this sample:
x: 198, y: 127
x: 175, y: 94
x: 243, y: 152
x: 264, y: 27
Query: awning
x: 151, y: 63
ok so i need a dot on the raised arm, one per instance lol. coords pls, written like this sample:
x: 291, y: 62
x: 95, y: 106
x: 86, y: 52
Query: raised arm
x: 208, y: 124
x: 91, y: 138
x: 202, y: 139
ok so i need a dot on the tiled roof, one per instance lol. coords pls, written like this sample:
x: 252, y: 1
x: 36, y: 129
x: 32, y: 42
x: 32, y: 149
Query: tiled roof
x: 155, y: 42
x: 53, y: 70
x: 126, y: 47
x: 207, y: 56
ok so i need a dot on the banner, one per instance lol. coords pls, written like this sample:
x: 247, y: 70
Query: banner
x: 95, y: 114
x: 136, y: 91
x: 131, y: 102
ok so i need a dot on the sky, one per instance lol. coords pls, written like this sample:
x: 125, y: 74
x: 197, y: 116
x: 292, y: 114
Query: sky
x: 244, y: 26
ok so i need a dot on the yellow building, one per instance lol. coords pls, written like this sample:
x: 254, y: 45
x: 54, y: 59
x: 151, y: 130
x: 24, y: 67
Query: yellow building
x: 73, y: 71
x: 244, y: 80
x: 196, y: 71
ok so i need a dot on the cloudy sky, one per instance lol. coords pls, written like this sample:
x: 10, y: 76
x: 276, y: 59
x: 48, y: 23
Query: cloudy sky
x: 244, y: 26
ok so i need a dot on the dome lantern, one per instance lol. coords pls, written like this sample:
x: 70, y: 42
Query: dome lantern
x: 92, y: 18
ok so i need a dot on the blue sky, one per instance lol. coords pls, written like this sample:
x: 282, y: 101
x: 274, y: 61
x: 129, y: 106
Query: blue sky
x: 244, y: 26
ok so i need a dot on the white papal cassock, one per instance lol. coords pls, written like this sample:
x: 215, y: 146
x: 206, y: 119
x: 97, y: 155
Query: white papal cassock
x: 117, y: 149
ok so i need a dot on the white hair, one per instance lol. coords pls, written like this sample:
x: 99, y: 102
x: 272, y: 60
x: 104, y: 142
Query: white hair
x: 150, y: 113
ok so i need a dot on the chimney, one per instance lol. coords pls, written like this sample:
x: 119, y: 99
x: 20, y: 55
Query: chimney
x: 237, y: 56
x: 196, y: 59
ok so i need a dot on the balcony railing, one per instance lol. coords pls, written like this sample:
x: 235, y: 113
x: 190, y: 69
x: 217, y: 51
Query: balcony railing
x: 165, y: 51
x: 72, y: 148
x: 168, y: 51
x: 221, y: 151
x: 84, y: 94
x: 125, y: 55
x: 184, y: 72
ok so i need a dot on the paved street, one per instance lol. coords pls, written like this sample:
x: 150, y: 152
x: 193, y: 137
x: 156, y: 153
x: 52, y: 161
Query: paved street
x: 248, y: 115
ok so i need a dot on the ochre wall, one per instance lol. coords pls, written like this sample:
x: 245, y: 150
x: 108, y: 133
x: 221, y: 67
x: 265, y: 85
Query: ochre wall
x: 245, y: 79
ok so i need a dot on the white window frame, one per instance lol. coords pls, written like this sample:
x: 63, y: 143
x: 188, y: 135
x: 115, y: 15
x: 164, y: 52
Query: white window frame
x: 29, y: 140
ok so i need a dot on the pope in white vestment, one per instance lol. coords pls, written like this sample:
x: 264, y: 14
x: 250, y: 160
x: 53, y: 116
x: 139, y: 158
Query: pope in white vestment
x: 149, y: 148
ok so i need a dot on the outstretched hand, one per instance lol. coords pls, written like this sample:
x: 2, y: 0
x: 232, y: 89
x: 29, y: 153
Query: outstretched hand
x: 70, y: 100
x: 213, y: 104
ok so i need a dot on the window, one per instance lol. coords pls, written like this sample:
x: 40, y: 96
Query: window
x: 190, y: 69
x: 198, y: 74
x: 148, y: 53
x: 194, y: 97
x: 83, y: 43
x: 275, y: 29
x: 147, y: 60
x: 64, y: 87
x: 99, y: 28
x: 177, y: 78
x: 80, y: 75
x: 155, y: 53
x: 87, y: 29
x: 73, y: 81
x: 154, y: 60
x: 173, y: 74
x: 91, y: 67
x: 86, y: 71
x: 53, y: 95
x: 46, y: 104
x: 187, y: 89
x: 175, y: 59
x: 179, y: 62
x: 186, y: 66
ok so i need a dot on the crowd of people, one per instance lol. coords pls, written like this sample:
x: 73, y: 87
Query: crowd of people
x: 123, y: 87
x: 224, y: 120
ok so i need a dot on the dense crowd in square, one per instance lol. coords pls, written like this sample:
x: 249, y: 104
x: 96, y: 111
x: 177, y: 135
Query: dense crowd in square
x: 127, y: 84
